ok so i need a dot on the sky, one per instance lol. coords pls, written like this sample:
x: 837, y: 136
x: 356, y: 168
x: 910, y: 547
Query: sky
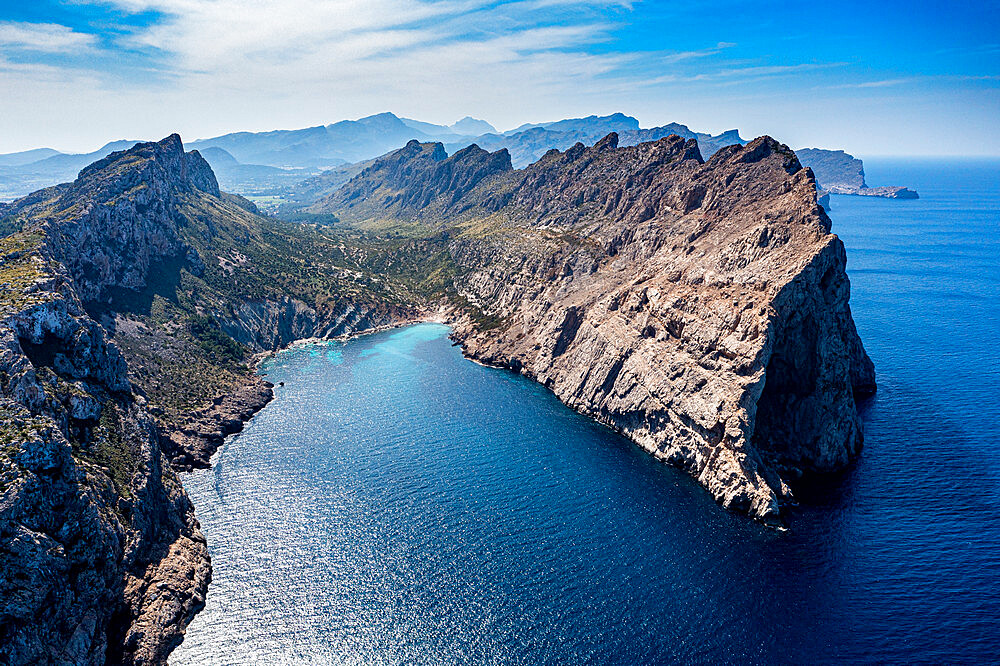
x: 873, y: 78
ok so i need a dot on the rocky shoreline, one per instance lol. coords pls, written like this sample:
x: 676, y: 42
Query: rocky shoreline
x: 190, y: 444
x: 886, y: 192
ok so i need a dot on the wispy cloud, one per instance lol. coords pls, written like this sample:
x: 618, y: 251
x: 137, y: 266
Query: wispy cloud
x: 910, y: 80
x: 672, y: 58
x: 44, y: 37
x: 758, y: 71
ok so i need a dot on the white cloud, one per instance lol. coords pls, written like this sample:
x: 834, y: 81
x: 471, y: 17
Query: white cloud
x: 331, y: 57
x: 44, y: 37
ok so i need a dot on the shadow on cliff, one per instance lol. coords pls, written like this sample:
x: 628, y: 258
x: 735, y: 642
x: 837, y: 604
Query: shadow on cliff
x: 163, y: 280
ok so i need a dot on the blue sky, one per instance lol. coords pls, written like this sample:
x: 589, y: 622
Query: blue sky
x: 876, y: 78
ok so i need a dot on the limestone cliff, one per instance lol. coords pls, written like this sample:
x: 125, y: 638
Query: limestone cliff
x: 102, y: 559
x: 699, y: 308
x: 838, y: 172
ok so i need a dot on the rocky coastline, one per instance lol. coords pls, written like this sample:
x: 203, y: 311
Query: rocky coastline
x: 191, y: 444
x: 698, y: 307
x: 101, y: 557
x: 838, y: 172
x: 888, y: 192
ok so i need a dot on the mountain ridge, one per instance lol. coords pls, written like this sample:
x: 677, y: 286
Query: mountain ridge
x: 278, y: 163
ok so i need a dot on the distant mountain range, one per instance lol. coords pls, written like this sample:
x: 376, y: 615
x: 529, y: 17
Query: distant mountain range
x: 292, y: 167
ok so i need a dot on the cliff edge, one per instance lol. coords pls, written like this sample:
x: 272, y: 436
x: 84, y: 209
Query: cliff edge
x: 101, y: 559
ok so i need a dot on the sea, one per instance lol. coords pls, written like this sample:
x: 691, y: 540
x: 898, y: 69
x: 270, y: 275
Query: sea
x: 398, y: 504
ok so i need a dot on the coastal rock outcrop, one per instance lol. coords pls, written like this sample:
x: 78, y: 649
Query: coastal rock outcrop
x: 101, y: 559
x: 701, y: 309
x: 191, y: 443
x: 265, y: 325
x: 838, y: 172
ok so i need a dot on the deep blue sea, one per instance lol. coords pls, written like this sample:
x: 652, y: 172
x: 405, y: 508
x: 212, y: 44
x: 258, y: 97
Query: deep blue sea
x: 397, y: 504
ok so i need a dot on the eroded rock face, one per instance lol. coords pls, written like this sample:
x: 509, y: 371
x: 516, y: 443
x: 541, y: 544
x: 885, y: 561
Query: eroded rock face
x: 101, y: 559
x: 117, y: 219
x: 416, y: 176
x: 264, y: 325
x: 699, y: 308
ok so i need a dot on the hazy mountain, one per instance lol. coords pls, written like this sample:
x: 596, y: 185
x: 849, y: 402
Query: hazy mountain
x: 616, y: 122
x: 18, y: 177
x: 70, y: 164
x: 26, y: 156
x: 430, y: 129
x: 275, y: 166
x: 218, y: 157
x: 324, y: 145
x: 472, y: 127
x: 240, y: 178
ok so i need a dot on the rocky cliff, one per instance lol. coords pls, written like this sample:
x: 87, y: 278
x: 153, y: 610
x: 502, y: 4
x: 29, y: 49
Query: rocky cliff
x: 117, y: 295
x: 701, y: 309
x: 102, y: 559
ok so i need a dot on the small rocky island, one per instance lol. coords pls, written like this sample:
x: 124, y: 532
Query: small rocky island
x: 700, y: 308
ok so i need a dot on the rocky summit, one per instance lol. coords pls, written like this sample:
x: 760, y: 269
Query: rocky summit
x: 698, y: 307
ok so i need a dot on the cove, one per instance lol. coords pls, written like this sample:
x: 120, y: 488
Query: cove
x: 397, y: 504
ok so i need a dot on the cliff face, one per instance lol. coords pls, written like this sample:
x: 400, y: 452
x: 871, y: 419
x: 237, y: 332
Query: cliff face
x: 263, y: 325
x: 840, y: 173
x: 102, y: 560
x: 699, y: 308
x: 118, y: 217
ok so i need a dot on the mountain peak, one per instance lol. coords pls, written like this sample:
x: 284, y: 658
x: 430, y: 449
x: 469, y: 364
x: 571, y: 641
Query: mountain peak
x: 163, y: 161
x: 472, y: 127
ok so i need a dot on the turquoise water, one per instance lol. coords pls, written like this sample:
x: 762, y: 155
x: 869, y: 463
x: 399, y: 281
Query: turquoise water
x: 397, y: 504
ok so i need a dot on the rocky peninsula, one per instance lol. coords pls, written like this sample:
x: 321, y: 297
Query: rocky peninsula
x: 838, y: 172
x: 699, y: 307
